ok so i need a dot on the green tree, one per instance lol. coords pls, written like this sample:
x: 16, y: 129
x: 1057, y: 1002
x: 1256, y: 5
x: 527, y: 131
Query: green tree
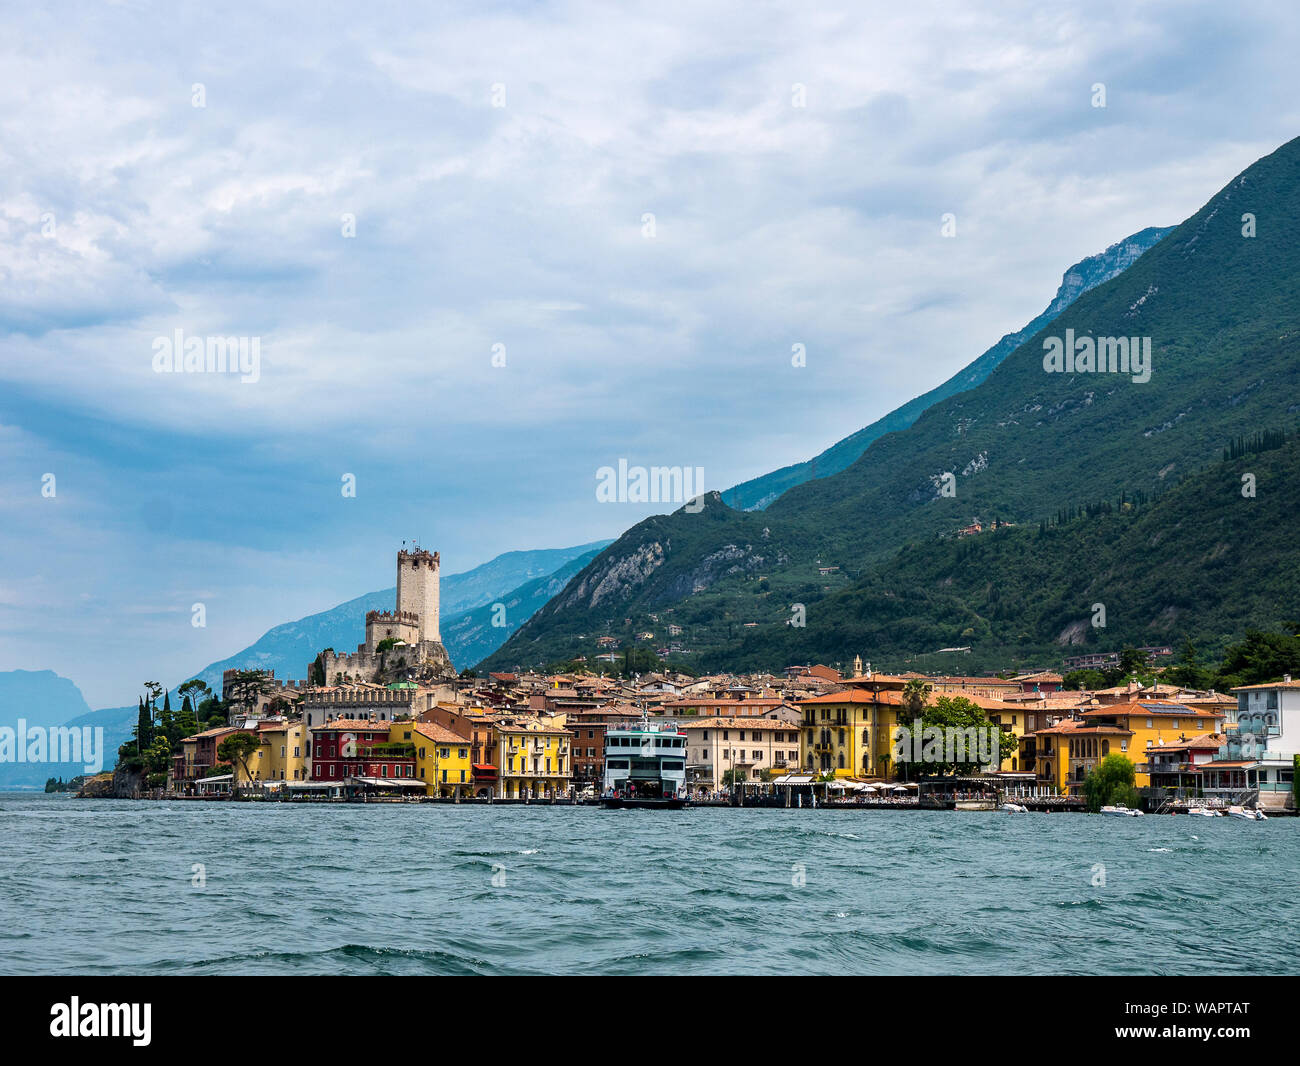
x: 187, y: 722
x: 1132, y: 663
x: 238, y: 748
x: 1259, y: 658
x: 1111, y: 783
x: 1090, y: 680
x: 1188, y: 672
x: 195, y: 691
x: 143, y: 727
x: 247, y: 688
x: 957, y: 713
x: 916, y: 694
x: 159, y: 756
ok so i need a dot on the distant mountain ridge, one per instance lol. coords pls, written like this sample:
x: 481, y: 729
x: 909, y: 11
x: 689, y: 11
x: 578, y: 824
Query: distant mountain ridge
x: 520, y: 580
x: 289, y: 648
x: 40, y: 698
x: 760, y: 492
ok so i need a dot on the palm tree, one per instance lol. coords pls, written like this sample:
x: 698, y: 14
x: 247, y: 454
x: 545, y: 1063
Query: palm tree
x: 916, y: 694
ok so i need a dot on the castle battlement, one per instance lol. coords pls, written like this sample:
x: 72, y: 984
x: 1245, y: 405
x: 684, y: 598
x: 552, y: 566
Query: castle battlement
x: 409, y: 618
x: 351, y: 696
x: 417, y: 558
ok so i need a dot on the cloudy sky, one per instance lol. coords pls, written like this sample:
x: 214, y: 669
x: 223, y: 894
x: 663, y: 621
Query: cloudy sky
x: 165, y: 169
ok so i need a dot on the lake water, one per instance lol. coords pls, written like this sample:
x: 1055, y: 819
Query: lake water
x: 106, y: 887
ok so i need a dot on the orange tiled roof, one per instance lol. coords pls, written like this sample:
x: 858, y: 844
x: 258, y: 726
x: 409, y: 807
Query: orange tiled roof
x: 363, y: 724
x: 893, y: 699
x: 752, y: 724
x: 439, y: 734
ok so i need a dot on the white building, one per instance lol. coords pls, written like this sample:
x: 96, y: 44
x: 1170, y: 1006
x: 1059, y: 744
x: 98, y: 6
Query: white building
x: 1263, y: 741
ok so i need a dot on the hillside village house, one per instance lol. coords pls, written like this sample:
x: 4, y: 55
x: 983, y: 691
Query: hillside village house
x: 442, y: 758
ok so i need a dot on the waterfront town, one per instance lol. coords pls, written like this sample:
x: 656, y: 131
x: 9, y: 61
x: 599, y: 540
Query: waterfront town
x: 539, y: 737
x: 394, y: 721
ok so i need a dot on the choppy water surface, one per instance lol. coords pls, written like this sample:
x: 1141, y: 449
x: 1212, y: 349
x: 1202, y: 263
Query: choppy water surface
x: 106, y: 887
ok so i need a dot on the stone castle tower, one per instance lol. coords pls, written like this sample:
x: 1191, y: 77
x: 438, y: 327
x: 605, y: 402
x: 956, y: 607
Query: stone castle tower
x: 416, y: 652
x: 417, y: 590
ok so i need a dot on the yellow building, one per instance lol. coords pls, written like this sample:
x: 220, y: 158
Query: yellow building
x: 851, y: 733
x: 1153, y: 723
x: 1014, y: 719
x: 1066, y: 752
x: 283, y: 756
x: 442, y: 758
x: 533, y: 758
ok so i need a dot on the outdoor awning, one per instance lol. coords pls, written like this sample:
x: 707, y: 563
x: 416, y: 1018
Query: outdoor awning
x: 387, y: 782
x: 792, y: 779
x: 484, y: 769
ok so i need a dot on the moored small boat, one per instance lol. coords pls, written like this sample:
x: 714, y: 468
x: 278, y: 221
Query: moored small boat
x: 1246, y: 814
x: 1120, y: 811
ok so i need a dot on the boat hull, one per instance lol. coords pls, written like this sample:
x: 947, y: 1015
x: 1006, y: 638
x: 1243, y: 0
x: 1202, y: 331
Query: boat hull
x: 611, y: 803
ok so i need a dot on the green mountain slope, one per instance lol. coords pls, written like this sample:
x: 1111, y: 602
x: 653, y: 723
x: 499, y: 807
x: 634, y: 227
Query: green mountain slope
x: 1222, y: 312
x: 759, y: 492
x: 1201, y: 562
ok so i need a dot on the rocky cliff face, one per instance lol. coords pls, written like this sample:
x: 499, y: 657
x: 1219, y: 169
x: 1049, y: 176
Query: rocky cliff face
x: 1085, y: 275
x: 120, y: 784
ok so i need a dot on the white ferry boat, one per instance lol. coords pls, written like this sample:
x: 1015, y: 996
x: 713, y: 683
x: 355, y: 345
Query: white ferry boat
x: 645, y: 766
